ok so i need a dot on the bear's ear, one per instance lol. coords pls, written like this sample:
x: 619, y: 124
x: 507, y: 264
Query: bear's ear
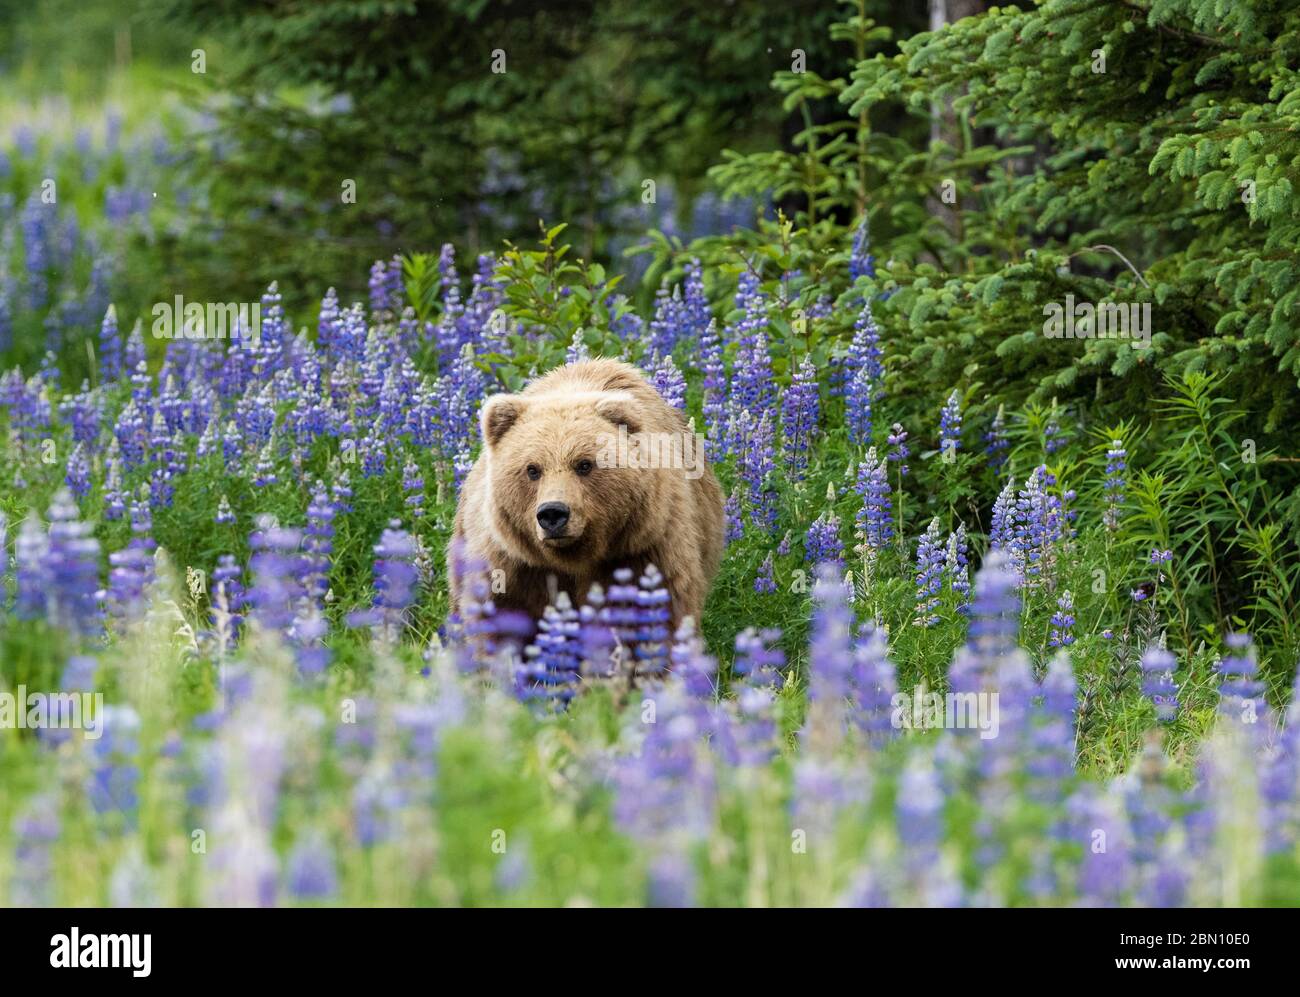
x: 620, y: 408
x: 498, y: 414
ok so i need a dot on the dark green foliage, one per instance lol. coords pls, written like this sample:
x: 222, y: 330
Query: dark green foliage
x: 403, y: 99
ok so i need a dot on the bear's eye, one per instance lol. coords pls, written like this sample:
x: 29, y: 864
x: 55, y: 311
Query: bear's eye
x: 583, y: 467
x: 533, y: 471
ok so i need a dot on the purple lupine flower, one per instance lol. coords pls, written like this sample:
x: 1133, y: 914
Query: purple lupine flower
x: 232, y: 447
x: 874, y: 520
x: 735, y: 524
x: 327, y: 325
x: 264, y: 471
x: 550, y: 668
x: 274, y: 567
x: 861, y: 262
x: 373, y: 452
x: 77, y: 477
x: 130, y: 436
x: 4, y: 560
x: 1106, y: 869
x: 1241, y: 694
x: 112, y: 785
x: 650, y: 634
x: 1052, y: 737
x: 1002, y: 531
x: 830, y: 661
x: 757, y: 466
x: 765, y: 581
x: 413, y: 485
x: 996, y: 443
x: 759, y: 660
x: 668, y: 326
x: 800, y: 412
x: 396, y: 579
x: 1113, y: 487
x: 875, y: 684
x: 378, y: 287
x: 995, y: 610
x: 669, y: 382
x: 858, y: 407
x: 864, y: 357
x: 32, y: 575
x: 73, y: 568
x: 1061, y: 634
x: 129, y: 576
x: 35, y: 833
x: 132, y: 569
x: 697, y: 671
x: 341, y: 492
x: 667, y: 793
x: 898, y: 450
x: 225, y: 516
x: 752, y: 387
x: 745, y: 729
x: 715, y: 390
x: 697, y: 314
x: 919, y: 810
x: 1053, y: 440
x: 318, y: 544
x: 930, y: 560
x: 577, y: 350
x: 822, y: 543
x: 110, y: 348
x: 311, y: 871
x: 751, y: 391
x: 1037, y: 528
x: 228, y: 598
x: 957, y: 566
x: 1158, y: 667
x: 135, y: 360
x: 950, y: 426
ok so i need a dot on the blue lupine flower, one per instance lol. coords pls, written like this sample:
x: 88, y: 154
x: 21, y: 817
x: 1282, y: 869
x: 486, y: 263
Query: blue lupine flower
x: 715, y: 390
x: 950, y: 426
x: 669, y: 382
x: 757, y: 464
x: 898, y: 451
x: 1113, y: 487
x: 861, y: 262
x: 800, y: 414
x: 549, y: 670
x: 1053, y: 439
x: 1240, y: 693
x: 1158, y: 682
x: 822, y: 543
x: 957, y: 566
x: 311, y: 870
x: 874, y: 520
x: 110, y: 349
x: 930, y: 559
x: 875, y: 683
x: 77, y: 477
x: 1061, y: 634
x: 759, y: 660
x: 996, y: 443
x: 732, y: 516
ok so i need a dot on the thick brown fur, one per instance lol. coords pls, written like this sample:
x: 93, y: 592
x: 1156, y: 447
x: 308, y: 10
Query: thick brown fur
x: 620, y: 516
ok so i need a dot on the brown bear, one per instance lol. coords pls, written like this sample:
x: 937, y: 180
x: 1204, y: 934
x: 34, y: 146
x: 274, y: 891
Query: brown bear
x: 586, y: 471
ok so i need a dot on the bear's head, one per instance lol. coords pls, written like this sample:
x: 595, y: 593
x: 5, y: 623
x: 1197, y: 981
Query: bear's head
x: 559, y: 495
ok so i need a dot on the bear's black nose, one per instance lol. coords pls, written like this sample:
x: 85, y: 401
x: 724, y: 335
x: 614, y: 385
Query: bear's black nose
x: 552, y: 516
